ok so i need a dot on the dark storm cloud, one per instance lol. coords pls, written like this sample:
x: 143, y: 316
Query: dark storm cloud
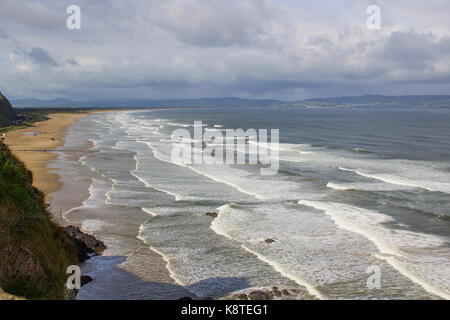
x: 410, y: 50
x: 41, y: 57
x: 73, y: 62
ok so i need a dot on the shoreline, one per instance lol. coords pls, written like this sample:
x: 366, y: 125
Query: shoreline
x: 127, y: 268
x: 66, y: 190
x: 35, y: 147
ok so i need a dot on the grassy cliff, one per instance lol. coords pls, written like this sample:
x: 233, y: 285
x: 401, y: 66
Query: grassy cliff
x: 34, y: 251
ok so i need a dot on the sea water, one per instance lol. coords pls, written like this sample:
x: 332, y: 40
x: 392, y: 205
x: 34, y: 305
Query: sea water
x: 356, y: 189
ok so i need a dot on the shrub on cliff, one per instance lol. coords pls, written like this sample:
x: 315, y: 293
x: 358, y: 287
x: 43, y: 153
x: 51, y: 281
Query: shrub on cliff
x: 34, y: 251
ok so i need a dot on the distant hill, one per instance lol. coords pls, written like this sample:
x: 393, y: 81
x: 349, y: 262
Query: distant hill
x: 378, y: 101
x: 368, y: 101
x: 146, y: 103
x: 7, y: 113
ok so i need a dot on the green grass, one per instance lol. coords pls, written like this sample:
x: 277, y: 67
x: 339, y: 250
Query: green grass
x: 34, y: 251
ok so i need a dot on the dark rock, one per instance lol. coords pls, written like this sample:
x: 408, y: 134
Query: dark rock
x: 270, y: 240
x: 242, y: 296
x: 285, y: 292
x: 185, y: 298
x: 276, y: 292
x: 260, y: 295
x: 212, y: 214
x: 85, y: 243
x: 70, y: 294
x: 86, y: 280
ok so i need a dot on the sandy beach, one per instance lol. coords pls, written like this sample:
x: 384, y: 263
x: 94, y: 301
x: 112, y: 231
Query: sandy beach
x: 33, y: 147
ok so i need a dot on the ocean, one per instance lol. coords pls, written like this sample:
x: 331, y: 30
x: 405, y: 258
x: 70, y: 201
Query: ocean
x: 359, y: 208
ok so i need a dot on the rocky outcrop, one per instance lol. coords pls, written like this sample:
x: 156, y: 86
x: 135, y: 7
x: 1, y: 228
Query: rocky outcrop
x: 265, y: 294
x: 260, y: 295
x: 212, y: 214
x: 7, y: 113
x: 85, y: 280
x: 86, y: 244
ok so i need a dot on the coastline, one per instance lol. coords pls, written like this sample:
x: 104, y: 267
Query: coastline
x: 36, y: 151
x: 128, y: 268
x: 47, y: 155
x: 98, y: 159
x: 36, y: 147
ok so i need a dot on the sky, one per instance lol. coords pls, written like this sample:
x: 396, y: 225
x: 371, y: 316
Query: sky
x: 170, y: 49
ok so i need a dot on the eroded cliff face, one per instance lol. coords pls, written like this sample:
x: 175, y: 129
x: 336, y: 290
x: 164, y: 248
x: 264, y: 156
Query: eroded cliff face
x: 7, y: 113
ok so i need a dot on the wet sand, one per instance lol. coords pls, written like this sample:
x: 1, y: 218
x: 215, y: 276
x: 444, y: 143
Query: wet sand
x: 34, y: 145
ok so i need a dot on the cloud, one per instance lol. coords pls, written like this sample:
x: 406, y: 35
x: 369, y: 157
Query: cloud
x: 72, y: 62
x: 41, y: 57
x: 213, y: 22
x: 409, y: 49
x: 30, y: 14
x: 196, y: 48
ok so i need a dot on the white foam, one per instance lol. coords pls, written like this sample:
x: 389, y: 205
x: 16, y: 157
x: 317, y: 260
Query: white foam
x: 247, y: 181
x: 418, y: 256
x: 184, y: 183
x: 403, y: 181
x: 218, y: 228
x: 148, y: 211
x: 214, y: 129
x: 148, y: 185
x: 208, y: 264
x: 179, y: 124
x: 309, y: 249
x: 298, y: 148
x: 251, y: 183
x: 361, y: 150
x: 368, y: 186
x: 166, y: 260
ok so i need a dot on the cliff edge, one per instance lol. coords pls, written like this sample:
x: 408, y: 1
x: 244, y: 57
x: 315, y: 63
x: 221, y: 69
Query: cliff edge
x: 7, y: 113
